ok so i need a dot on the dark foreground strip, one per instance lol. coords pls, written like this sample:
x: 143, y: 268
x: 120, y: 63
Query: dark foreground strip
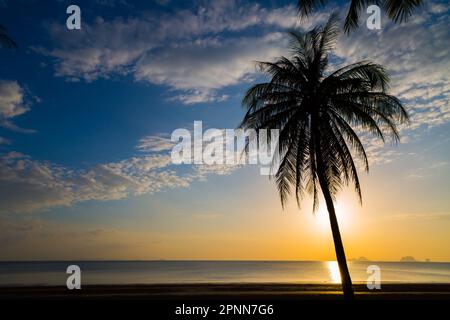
x: 230, y: 301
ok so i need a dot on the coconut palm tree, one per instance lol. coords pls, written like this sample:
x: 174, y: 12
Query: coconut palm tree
x: 397, y: 10
x: 5, y: 39
x: 318, y: 114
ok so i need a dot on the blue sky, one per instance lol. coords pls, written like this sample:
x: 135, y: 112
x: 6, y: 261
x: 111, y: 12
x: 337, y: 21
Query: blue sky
x: 86, y: 115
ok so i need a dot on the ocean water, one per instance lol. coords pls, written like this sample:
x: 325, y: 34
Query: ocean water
x: 148, y: 272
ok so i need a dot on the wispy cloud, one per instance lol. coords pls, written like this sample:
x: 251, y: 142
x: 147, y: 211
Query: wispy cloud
x: 432, y: 169
x: 417, y: 55
x: 29, y: 185
x: 162, y: 143
x: 205, y: 65
x: 184, y: 50
x: 13, y: 102
x: 155, y: 143
x: 197, y: 53
x: 4, y: 141
x: 422, y: 216
x: 188, y: 52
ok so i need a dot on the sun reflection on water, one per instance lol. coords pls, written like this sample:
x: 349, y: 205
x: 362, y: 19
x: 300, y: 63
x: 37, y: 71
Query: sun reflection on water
x: 333, y: 271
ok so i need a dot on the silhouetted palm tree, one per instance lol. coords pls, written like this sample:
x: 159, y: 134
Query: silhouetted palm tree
x: 317, y: 114
x: 5, y: 39
x: 397, y: 10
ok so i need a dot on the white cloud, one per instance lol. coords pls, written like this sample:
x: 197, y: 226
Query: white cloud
x: 208, y: 64
x: 417, y: 56
x: 181, y: 50
x: 432, y: 169
x: 155, y: 143
x: 12, y: 104
x: 28, y: 185
x: 101, y: 49
x: 438, y: 7
x: 187, y: 52
x: 11, y: 99
x: 199, y: 96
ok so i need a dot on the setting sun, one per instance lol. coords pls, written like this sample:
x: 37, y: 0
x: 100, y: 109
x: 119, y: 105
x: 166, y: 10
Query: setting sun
x: 343, y: 213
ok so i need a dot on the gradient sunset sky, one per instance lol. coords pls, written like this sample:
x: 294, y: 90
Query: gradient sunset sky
x: 86, y: 118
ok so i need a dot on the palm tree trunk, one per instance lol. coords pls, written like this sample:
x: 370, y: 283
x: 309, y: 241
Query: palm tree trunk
x: 338, y: 246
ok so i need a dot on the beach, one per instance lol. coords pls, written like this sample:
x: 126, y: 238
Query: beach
x: 220, y: 280
x: 232, y: 291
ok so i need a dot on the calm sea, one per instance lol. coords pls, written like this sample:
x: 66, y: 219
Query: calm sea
x: 147, y: 272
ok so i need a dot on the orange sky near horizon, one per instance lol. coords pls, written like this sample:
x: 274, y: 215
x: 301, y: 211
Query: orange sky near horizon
x: 254, y: 228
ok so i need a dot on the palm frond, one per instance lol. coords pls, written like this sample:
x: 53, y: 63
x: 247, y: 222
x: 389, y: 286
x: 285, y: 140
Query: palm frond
x: 400, y: 10
x: 5, y: 39
x: 305, y: 7
x: 397, y: 10
x: 318, y: 114
x: 352, y: 18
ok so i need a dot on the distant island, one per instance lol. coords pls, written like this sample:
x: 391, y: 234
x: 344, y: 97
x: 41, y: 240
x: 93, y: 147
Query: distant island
x: 360, y: 259
x: 408, y: 259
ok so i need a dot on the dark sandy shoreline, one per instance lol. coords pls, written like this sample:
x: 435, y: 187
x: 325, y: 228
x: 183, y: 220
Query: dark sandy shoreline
x: 234, y: 291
